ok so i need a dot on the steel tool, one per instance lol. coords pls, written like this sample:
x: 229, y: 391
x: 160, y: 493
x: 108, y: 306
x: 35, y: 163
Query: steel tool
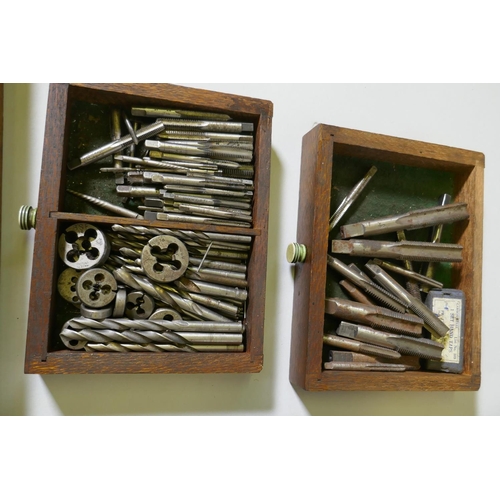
x: 361, y: 347
x: 415, y: 219
x: 374, y: 316
x: 406, y: 250
x: 422, y: 348
x: 116, y: 146
x: 351, y: 198
x: 432, y: 323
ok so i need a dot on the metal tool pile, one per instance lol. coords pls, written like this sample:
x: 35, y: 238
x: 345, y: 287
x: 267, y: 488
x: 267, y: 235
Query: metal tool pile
x: 148, y: 289
x: 180, y: 166
x: 387, y: 326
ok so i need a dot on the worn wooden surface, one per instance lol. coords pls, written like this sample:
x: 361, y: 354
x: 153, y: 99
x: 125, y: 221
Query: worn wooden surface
x: 40, y: 357
x: 1, y: 159
x: 319, y: 147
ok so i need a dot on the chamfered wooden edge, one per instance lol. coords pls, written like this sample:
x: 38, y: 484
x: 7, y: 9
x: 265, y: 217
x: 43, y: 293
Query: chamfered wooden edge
x: 306, y: 327
x: 38, y: 359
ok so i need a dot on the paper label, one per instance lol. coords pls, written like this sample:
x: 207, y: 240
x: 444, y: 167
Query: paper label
x: 449, y: 312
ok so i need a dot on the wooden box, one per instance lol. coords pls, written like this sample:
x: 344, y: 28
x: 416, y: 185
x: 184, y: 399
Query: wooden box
x: 411, y: 173
x: 44, y: 354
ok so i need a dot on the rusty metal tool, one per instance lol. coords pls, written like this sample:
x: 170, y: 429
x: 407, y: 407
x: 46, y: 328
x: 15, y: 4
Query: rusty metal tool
x: 375, y: 291
x: 374, y: 316
x: 411, y: 285
x: 402, y: 250
x: 353, y: 345
x: 420, y: 347
x: 351, y: 198
x: 408, y: 274
x: 415, y: 219
x: 437, y: 233
x: 432, y: 322
x: 355, y: 293
x: 411, y: 363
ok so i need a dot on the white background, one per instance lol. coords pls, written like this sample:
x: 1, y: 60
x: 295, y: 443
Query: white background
x: 464, y: 116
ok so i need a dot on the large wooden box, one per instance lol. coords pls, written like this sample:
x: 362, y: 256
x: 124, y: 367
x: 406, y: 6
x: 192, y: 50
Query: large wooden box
x: 44, y: 353
x: 411, y: 173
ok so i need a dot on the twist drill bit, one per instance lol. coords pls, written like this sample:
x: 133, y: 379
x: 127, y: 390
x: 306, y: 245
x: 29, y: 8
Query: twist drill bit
x: 107, y: 206
x: 351, y: 198
x: 367, y: 285
x: 416, y: 219
x: 354, y: 345
x: 116, y: 146
x: 437, y: 233
x: 114, y: 347
x: 411, y: 285
x: 422, y: 348
x: 432, y: 322
x: 408, y: 274
x: 146, y: 337
x: 374, y: 316
x: 169, y: 298
x: 179, y: 326
x: 126, y: 336
x: 406, y: 250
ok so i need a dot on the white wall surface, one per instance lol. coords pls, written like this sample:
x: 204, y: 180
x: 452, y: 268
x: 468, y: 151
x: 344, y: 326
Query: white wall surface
x: 464, y: 116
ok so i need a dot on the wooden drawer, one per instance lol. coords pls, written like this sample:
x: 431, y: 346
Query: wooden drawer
x: 411, y: 174
x: 57, y: 209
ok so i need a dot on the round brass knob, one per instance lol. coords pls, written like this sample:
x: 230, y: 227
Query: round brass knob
x: 27, y: 218
x: 296, y: 253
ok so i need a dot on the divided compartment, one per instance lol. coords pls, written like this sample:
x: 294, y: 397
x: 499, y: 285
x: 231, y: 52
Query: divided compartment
x: 411, y: 175
x: 57, y: 210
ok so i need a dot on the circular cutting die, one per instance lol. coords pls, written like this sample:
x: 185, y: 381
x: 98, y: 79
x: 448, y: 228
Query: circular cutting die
x: 139, y: 306
x: 83, y: 246
x: 165, y: 259
x: 66, y: 285
x: 96, y: 288
x: 120, y: 303
x: 166, y: 314
x: 88, y: 312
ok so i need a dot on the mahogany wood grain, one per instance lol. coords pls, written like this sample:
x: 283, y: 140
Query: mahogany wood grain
x: 40, y: 358
x: 319, y: 147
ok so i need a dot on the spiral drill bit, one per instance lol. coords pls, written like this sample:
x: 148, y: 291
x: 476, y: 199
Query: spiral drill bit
x: 122, y: 324
x: 114, y: 347
x: 76, y: 340
x: 170, y: 298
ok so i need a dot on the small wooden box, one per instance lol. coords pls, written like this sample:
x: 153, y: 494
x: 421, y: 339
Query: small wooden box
x: 43, y: 354
x: 333, y: 160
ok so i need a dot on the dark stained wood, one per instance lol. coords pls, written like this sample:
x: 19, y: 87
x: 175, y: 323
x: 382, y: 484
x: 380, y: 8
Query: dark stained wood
x: 39, y: 357
x: 1, y: 159
x: 319, y: 146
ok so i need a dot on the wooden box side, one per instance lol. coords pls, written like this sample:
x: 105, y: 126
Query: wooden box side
x: 310, y: 276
